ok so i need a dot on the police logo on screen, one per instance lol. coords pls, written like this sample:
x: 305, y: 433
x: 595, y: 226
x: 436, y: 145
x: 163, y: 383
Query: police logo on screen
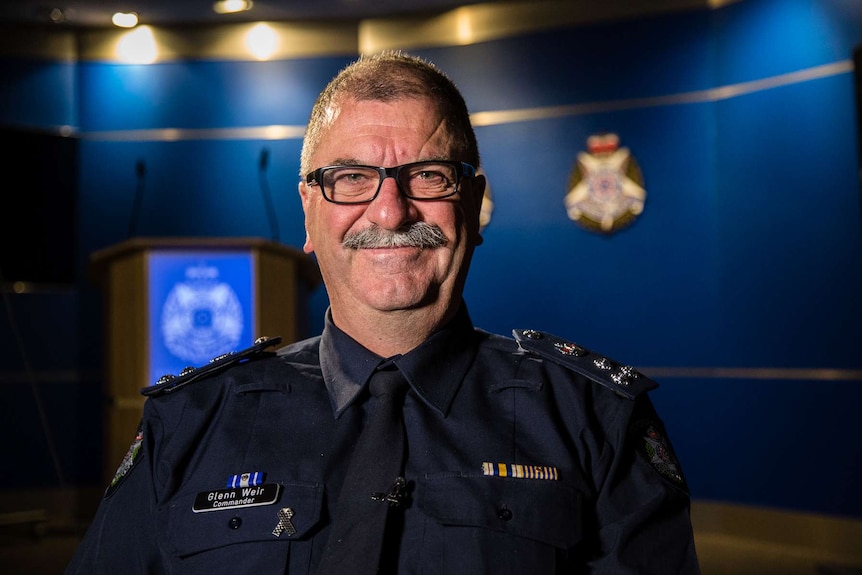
x: 606, y: 189
x: 201, y: 316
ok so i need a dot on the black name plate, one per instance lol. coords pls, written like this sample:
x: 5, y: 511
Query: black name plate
x: 221, y: 499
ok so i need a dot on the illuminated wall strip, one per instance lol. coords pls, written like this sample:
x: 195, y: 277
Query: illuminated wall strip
x: 492, y: 118
x: 273, y: 132
x: 696, y: 97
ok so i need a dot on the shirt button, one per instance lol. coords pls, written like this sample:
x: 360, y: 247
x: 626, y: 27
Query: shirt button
x: 504, y: 513
x: 234, y: 522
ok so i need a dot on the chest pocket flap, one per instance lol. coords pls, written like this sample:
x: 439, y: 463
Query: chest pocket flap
x: 542, y: 510
x: 191, y: 531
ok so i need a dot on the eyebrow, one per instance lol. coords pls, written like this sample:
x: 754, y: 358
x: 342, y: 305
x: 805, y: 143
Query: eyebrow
x: 345, y: 162
x: 355, y: 162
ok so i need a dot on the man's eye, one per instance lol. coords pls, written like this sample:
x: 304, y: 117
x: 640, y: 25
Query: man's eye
x: 348, y: 177
x: 431, y: 178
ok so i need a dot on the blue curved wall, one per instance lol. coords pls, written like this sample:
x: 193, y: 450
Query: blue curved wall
x: 739, y: 287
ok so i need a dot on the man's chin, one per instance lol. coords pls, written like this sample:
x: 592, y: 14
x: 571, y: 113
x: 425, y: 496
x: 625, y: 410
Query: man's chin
x: 395, y: 295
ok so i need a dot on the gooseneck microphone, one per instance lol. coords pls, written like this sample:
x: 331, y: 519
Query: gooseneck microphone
x: 140, y: 176
x: 267, y: 196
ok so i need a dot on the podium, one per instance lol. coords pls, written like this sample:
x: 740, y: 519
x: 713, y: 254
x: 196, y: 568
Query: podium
x: 173, y: 303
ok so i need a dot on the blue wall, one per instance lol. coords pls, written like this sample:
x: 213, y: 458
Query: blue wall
x: 748, y: 256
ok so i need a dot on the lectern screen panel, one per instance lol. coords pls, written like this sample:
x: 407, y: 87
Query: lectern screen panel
x: 200, y: 307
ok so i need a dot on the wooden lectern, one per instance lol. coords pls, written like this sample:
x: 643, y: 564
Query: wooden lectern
x: 282, y: 279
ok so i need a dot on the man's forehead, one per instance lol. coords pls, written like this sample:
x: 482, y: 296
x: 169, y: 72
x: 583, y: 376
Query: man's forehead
x: 347, y: 102
x: 351, y: 119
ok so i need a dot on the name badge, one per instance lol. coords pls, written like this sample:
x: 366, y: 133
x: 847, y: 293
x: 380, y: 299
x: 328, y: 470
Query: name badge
x: 220, y: 499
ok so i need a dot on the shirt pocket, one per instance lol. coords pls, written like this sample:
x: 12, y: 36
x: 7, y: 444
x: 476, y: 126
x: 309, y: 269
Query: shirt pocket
x: 201, y: 537
x: 490, y: 522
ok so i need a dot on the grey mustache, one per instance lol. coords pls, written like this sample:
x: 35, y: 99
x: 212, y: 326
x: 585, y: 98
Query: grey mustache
x: 418, y: 235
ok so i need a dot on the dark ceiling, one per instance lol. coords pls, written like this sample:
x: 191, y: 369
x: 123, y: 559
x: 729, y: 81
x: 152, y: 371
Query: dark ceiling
x: 97, y: 13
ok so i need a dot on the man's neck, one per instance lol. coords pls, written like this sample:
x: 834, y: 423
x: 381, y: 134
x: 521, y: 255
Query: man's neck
x: 389, y: 333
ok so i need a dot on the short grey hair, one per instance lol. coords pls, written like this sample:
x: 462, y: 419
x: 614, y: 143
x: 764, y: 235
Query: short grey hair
x: 389, y: 76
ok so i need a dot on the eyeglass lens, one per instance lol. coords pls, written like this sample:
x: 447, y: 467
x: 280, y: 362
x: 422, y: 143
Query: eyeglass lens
x: 423, y: 180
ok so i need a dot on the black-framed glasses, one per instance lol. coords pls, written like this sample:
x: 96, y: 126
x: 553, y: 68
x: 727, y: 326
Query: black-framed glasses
x: 428, y: 180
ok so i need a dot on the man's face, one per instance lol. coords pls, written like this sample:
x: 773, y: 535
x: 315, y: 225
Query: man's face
x: 359, y: 281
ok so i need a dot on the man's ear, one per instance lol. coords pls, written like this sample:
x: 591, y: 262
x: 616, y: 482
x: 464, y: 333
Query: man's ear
x: 308, y: 246
x: 477, y: 194
x: 303, y: 192
x: 478, y: 190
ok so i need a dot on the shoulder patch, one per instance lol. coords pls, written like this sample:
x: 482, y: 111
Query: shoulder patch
x: 622, y: 379
x: 652, y: 443
x: 170, y: 383
x: 131, y: 457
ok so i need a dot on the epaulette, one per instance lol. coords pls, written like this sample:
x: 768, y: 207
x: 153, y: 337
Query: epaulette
x: 622, y: 379
x: 170, y: 383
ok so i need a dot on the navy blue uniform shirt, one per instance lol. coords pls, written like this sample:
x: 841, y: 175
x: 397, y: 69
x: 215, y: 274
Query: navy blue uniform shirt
x: 531, y: 456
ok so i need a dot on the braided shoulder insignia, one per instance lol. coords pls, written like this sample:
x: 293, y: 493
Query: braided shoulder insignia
x: 170, y: 383
x: 624, y: 380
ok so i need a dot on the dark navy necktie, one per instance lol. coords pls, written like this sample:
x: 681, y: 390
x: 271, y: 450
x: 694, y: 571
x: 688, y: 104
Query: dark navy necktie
x: 372, y: 486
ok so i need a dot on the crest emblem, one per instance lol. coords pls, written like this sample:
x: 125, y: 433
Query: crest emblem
x: 606, y: 188
x: 202, y: 316
x: 131, y: 457
x: 654, y: 446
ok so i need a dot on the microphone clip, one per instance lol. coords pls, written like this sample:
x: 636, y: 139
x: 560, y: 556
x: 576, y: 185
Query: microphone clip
x: 396, y: 496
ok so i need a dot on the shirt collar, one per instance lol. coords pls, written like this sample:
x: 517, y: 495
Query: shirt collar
x: 434, y: 369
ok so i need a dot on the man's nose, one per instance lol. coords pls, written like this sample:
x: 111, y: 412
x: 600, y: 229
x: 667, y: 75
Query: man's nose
x: 390, y: 209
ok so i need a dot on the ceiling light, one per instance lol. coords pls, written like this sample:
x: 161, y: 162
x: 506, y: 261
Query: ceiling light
x: 138, y: 46
x: 262, y: 41
x: 125, y: 19
x: 231, y: 6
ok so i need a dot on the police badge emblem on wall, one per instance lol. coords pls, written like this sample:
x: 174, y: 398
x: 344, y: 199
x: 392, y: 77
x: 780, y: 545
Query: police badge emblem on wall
x: 606, y: 188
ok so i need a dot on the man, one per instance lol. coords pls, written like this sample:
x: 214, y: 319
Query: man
x: 526, y: 455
